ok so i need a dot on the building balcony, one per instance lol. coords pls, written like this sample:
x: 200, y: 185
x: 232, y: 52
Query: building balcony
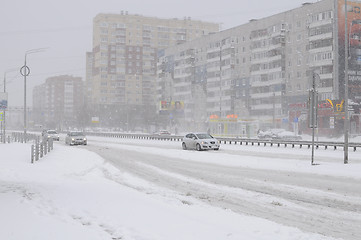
x: 181, y: 75
x: 321, y: 49
x: 321, y: 63
x: 265, y: 60
x: 320, y: 23
x: 267, y: 83
x: 325, y: 89
x: 266, y: 71
x: 326, y: 76
x: 265, y: 95
x: 268, y: 48
x: 320, y: 37
x: 266, y: 106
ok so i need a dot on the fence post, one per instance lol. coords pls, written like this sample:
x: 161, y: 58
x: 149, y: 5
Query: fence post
x: 49, y: 144
x: 37, y: 146
x: 46, y: 147
x: 41, y: 149
x: 32, y: 153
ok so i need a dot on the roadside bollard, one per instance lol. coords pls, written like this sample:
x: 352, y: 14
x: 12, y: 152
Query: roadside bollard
x: 46, y: 147
x: 41, y: 149
x: 37, y: 150
x: 32, y: 153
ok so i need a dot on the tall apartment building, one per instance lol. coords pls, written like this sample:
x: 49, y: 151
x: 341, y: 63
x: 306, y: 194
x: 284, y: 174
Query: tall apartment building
x: 58, y: 102
x: 123, y: 60
x: 260, y: 72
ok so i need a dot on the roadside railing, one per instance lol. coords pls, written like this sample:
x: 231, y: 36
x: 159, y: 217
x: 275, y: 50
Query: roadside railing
x: 20, y: 137
x: 41, y: 147
x: 239, y: 141
x: 5, y: 139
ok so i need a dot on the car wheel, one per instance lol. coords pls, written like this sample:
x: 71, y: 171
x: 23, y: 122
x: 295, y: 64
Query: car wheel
x: 184, y: 146
x: 198, y: 147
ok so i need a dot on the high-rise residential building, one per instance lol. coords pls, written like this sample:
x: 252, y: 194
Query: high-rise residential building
x: 123, y: 60
x: 258, y: 74
x: 58, y: 103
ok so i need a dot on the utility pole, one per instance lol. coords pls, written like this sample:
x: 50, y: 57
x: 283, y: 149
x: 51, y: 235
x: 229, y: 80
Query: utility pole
x: 274, y: 110
x: 346, y: 122
x: 4, y: 124
x: 220, y: 87
x: 25, y: 71
x: 313, y: 101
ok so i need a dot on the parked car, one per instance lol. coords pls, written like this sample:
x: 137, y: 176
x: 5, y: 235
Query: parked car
x: 200, y: 141
x: 287, y: 135
x: 75, y: 138
x: 162, y: 133
x: 279, y: 134
x: 53, y: 134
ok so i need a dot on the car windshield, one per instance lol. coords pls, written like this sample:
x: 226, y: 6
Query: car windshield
x: 52, y: 132
x: 76, y: 134
x: 204, y: 136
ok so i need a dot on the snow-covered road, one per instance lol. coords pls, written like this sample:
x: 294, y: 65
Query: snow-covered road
x: 133, y: 189
x: 277, y: 184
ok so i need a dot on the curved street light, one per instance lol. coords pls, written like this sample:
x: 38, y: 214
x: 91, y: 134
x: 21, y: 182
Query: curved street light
x: 25, y: 71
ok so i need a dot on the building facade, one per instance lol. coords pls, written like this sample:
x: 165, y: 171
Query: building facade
x: 259, y: 74
x: 59, y: 102
x: 123, y: 60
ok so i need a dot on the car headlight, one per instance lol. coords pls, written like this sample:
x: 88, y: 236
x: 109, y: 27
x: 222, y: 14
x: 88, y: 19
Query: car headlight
x: 72, y: 139
x: 84, y: 139
x: 204, y: 143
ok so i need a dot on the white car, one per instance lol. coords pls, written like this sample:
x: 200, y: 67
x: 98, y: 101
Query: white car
x: 200, y: 141
x: 53, y: 134
x: 76, y: 138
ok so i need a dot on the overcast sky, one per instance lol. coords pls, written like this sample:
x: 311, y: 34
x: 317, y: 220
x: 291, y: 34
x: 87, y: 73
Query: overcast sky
x: 65, y: 28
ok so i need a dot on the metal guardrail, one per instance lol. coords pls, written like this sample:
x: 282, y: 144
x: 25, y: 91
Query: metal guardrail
x: 40, y: 148
x: 239, y: 141
x: 19, y: 137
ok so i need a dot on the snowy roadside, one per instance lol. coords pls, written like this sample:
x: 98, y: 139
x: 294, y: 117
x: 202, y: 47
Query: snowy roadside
x: 73, y: 194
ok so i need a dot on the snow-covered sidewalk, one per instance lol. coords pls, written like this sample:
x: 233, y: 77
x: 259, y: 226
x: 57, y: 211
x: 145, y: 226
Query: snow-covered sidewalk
x: 73, y: 193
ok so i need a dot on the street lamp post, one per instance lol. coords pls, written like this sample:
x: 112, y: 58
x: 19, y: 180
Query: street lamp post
x: 220, y: 86
x: 220, y: 80
x: 313, y: 101
x: 346, y: 122
x: 4, y: 127
x: 25, y: 71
